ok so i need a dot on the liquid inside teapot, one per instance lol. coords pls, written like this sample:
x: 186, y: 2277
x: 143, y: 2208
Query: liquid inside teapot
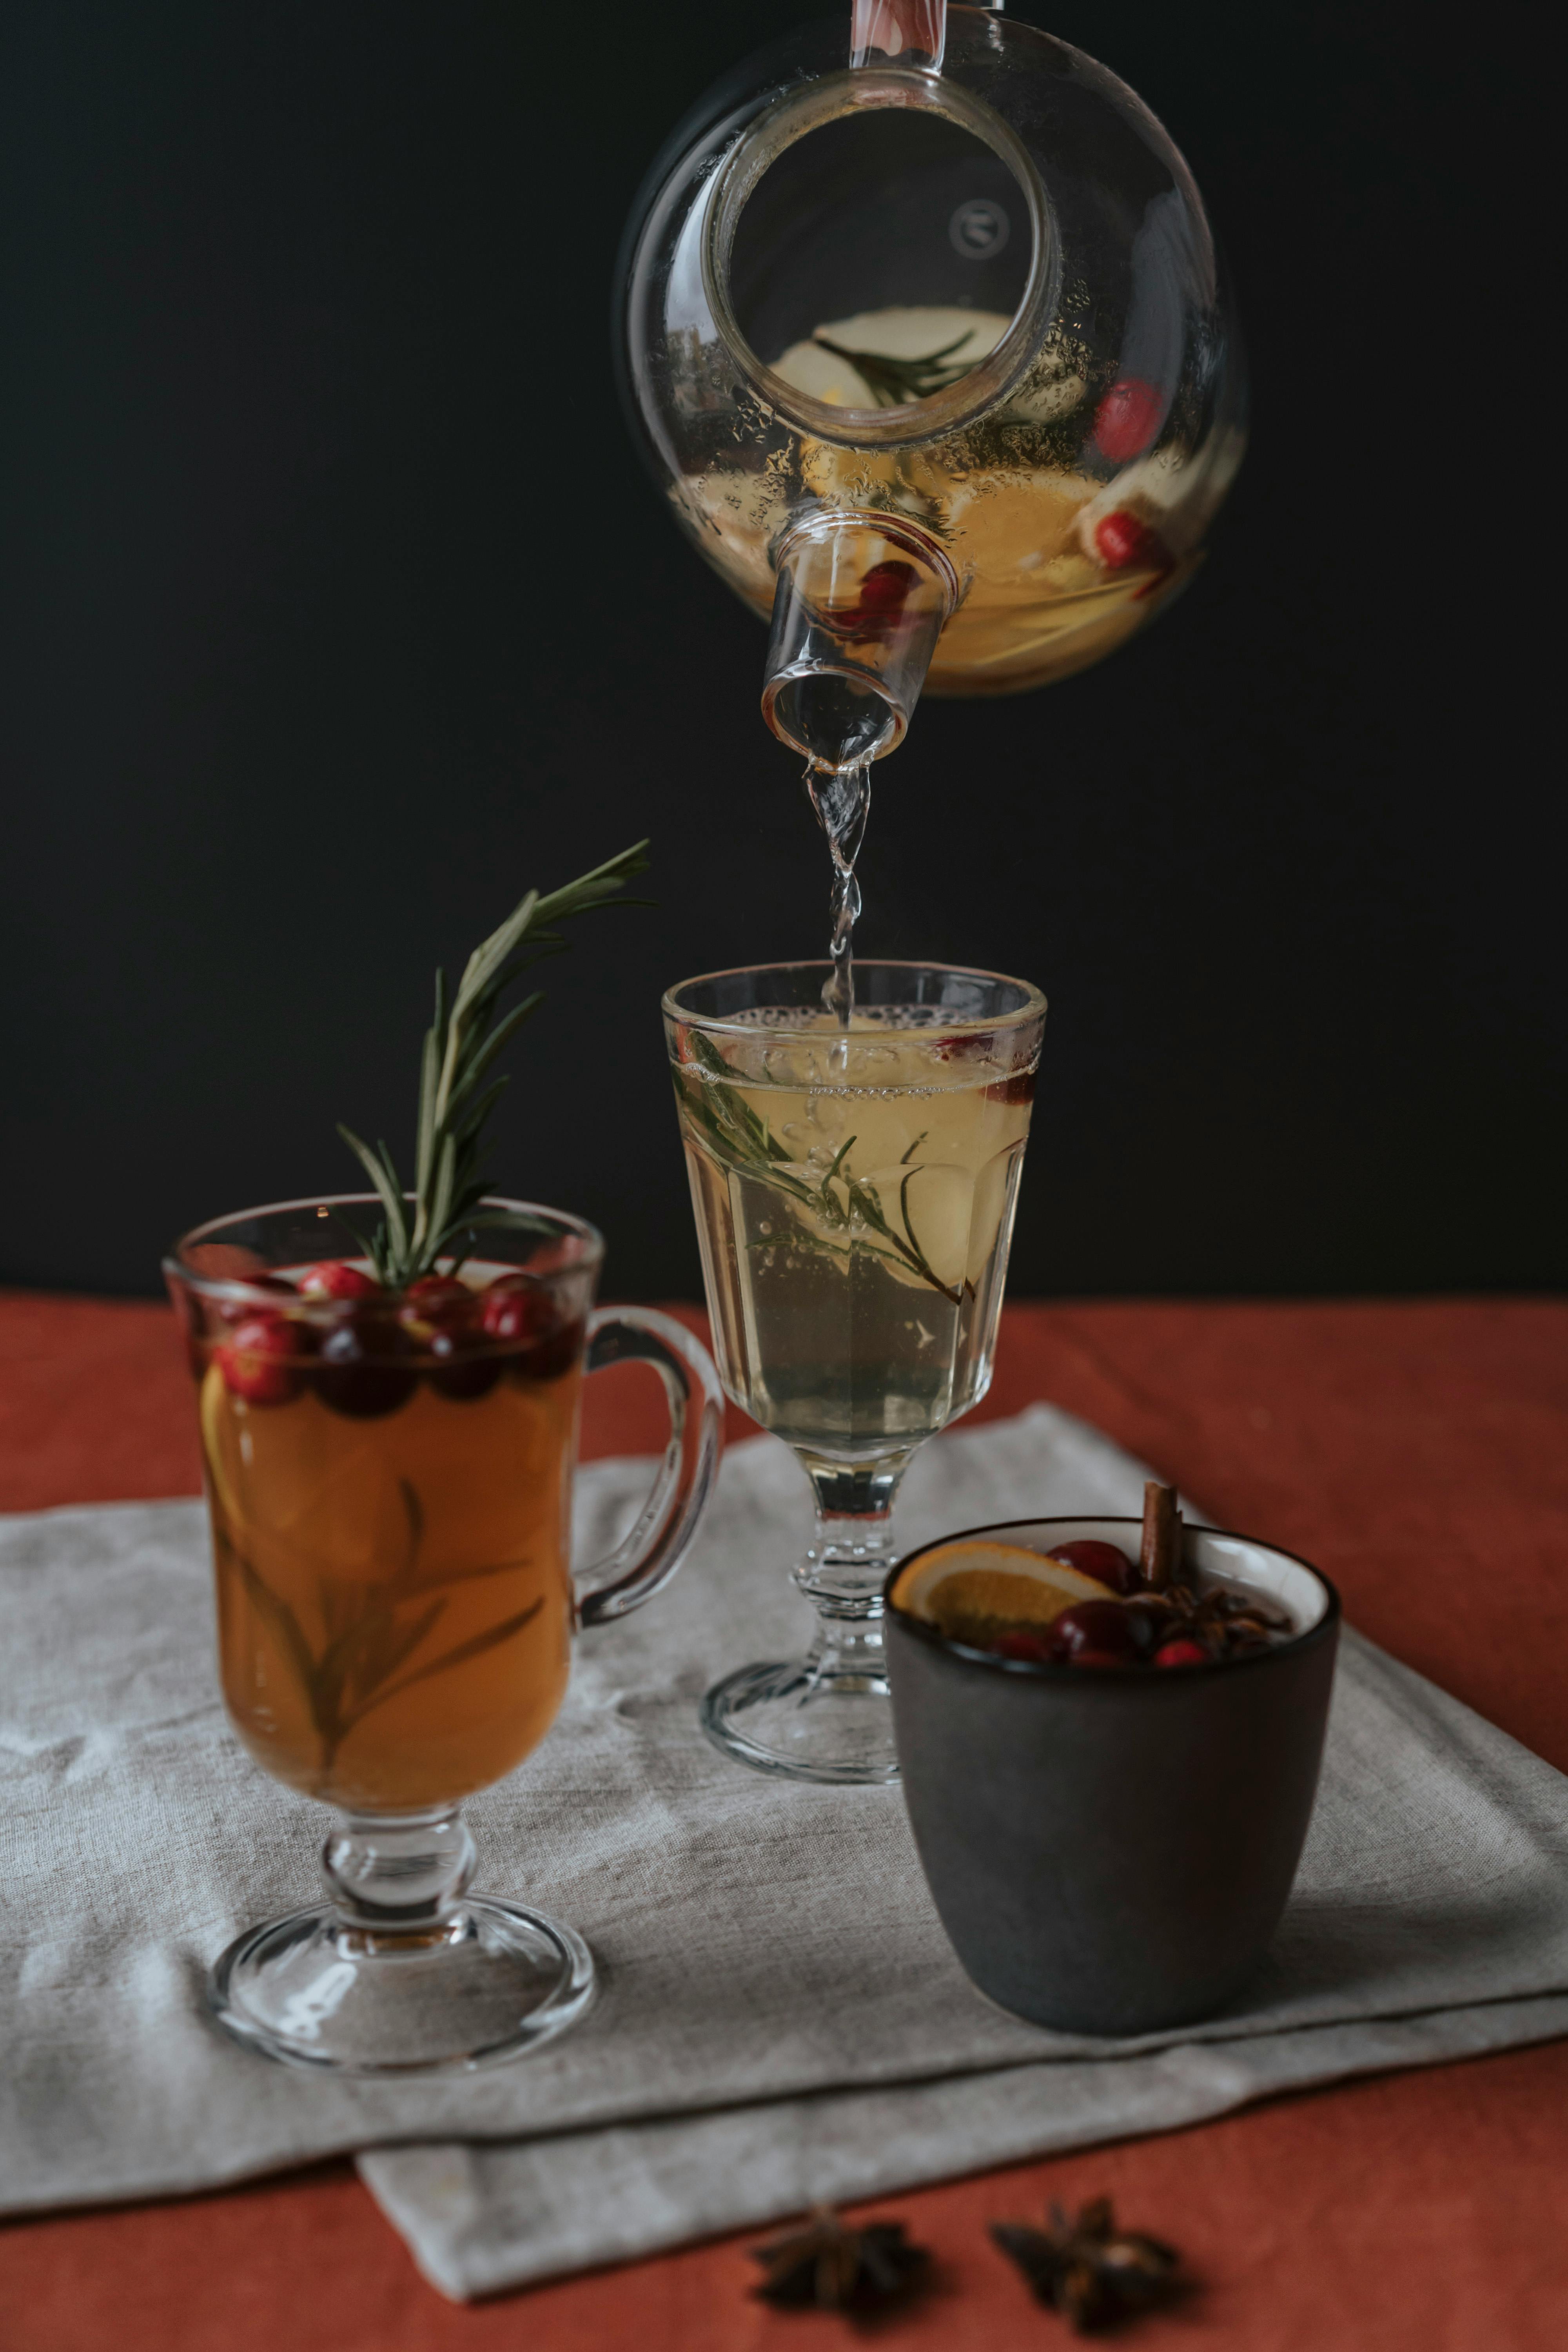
x: 1061, y: 563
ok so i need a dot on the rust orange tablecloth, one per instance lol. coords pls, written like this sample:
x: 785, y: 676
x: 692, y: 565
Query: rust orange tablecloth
x: 1419, y: 1451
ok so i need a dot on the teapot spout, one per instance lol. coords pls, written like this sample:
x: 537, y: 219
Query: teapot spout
x: 860, y: 602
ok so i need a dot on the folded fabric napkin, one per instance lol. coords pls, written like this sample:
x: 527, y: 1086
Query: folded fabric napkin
x: 782, y: 2018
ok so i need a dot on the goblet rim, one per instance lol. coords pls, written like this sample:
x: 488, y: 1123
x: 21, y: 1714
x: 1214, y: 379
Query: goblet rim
x: 1034, y: 1007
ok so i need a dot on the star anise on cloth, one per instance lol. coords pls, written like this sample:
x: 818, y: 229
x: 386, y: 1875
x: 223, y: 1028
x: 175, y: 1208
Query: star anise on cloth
x: 828, y: 2266
x: 1088, y: 2270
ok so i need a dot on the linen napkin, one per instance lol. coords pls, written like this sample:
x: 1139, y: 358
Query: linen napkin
x: 781, y: 2017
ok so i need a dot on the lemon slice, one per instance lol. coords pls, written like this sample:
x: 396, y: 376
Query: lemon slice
x: 965, y: 1580
x: 217, y: 1438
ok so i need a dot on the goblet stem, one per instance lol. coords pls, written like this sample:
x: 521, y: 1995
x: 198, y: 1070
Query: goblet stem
x: 851, y: 1551
x: 826, y: 1716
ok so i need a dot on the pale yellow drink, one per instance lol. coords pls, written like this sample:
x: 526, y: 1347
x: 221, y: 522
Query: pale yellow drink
x: 854, y: 1193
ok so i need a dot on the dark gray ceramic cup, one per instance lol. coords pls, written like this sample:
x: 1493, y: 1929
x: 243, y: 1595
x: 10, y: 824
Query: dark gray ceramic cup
x: 1110, y: 1849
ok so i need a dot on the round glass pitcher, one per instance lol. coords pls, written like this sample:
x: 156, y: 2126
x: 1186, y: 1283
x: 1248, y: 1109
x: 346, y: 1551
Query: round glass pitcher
x: 924, y: 333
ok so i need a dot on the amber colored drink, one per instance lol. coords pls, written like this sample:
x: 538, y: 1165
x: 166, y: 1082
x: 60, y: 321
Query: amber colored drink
x: 394, y: 1609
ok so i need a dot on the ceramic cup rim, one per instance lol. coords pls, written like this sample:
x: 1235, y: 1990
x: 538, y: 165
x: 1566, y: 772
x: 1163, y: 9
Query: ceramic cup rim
x: 1121, y: 1678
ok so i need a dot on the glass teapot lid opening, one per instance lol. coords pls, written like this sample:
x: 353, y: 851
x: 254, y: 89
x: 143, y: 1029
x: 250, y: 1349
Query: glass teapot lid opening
x: 879, y: 257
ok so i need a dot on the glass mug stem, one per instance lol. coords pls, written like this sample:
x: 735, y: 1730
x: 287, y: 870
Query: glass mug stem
x: 396, y: 1880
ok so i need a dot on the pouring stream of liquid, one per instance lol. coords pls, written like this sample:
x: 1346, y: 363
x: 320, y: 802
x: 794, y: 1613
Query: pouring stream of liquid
x: 842, y: 799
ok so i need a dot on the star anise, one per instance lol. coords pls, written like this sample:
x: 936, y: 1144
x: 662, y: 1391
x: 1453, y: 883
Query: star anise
x: 828, y: 2266
x: 1088, y: 2270
x: 1229, y: 1623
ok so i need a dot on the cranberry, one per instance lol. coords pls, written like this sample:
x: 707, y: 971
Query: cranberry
x: 1021, y: 1644
x: 552, y: 1357
x: 260, y: 1362
x: 1121, y: 540
x: 1182, y: 1652
x: 1128, y: 419
x: 461, y: 1373
x: 441, y: 1316
x: 515, y: 1308
x: 977, y: 1046
x: 528, y: 1318
x: 335, y: 1278
x: 1107, y: 1561
x: 1105, y: 1627
x: 879, y: 608
x: 240, y: 1310
x: 1018, y: 1089
x: 433, y: 1293
x: 358, y: 1369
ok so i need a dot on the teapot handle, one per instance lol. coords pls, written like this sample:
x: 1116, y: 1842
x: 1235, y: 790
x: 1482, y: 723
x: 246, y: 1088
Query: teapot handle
x: 898, y: 32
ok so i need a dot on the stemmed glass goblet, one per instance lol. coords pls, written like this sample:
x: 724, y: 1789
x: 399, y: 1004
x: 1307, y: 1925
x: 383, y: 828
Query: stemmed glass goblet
x: 853, y: 1190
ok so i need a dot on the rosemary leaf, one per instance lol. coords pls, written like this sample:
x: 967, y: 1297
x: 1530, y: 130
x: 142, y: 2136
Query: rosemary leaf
x: 460, y: 1049
x: 514, y: 1221
x: 500, y: 1035
x: 895, y: 382
x: 391, y: 1200
x: 474, y: 1647
x: 429, y: 1077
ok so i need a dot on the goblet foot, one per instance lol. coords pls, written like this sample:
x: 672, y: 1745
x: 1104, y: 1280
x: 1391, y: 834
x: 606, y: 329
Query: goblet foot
x: 825, y: 1717
x: 489, y: 1983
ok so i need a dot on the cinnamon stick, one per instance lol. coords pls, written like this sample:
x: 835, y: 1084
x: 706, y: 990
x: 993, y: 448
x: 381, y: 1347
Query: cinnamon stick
x: 1161, y: 1556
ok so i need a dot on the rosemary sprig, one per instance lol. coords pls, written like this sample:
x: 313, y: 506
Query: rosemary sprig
x: 461, y: 1046
x: 896, y: 381
x: 737, y: 1135
x: 369, y: 1637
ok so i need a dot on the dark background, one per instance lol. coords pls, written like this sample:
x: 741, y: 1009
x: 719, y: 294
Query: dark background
x: 340, y: 611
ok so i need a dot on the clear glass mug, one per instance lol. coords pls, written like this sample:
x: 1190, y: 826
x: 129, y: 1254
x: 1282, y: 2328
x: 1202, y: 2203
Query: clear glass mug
x: 389, y: 1480
x: 854, y: 1192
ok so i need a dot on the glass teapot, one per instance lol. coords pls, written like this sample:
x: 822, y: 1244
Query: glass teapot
x: 924, y: 333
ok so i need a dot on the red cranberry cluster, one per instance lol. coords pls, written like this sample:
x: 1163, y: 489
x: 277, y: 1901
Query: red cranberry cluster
x: 368, y: 1357
x: 1172, y: 1627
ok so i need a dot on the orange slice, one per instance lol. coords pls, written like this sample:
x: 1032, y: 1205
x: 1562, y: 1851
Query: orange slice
x: 965, y: 1580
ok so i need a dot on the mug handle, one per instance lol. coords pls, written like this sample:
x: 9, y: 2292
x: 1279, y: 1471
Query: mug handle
x: 645, y: 1562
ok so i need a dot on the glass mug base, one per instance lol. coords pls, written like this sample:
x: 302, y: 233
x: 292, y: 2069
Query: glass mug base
x: 823, y: 1717
x: 488, y: 1983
